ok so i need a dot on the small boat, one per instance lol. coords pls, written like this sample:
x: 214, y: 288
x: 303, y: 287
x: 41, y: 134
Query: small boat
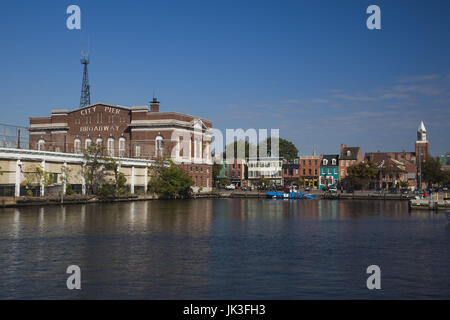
x: 289, y: 194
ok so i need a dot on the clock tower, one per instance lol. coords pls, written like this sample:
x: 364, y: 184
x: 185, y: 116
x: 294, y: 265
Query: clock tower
x: 422, y: 144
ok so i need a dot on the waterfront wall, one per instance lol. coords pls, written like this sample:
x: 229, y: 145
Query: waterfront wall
x: 16, y: 163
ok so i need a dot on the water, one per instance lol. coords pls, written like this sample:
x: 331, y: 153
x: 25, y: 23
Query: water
x: 225, y: 249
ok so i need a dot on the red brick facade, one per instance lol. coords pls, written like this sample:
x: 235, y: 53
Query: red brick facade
x: 132, y: 132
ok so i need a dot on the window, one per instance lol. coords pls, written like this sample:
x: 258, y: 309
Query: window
x: 333, y: 162
x: 296, y: 171
x: 159, y: 144
x: 99, y: 141
x: 87, y: 143
x: 77, y: 145
x: 325, y: 162
x: 137, y: 151
x: 348, y: 153
x: 304, y: 171
x: 122, y: 147
x: 342, y: 172
x: 309, y: 162
x: 348, y: 163
x: 315, y: 162
x: 309, y: 171
x: 110, y: 147
x: 315, y: 172
x: 304, y: 162
x: 41, y: 145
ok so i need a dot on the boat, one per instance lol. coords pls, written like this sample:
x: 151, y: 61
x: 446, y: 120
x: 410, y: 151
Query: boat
x: 289, y: 193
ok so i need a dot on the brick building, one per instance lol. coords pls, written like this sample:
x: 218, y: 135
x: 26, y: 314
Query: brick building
x: 309, y: 170
x: 348, y: 157
x: 236, y: 169
x: 291, y: 173
x: 135, y: 132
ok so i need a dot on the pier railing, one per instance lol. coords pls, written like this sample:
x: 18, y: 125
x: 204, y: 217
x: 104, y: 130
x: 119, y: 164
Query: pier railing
x: 12, y: 136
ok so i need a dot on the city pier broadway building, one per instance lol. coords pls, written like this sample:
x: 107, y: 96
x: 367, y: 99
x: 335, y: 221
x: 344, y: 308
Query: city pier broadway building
x: 135, y: 132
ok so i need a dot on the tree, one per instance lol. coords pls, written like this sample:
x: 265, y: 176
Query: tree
x: 431, y: 171
x: 359, y: 175
x: 262, y: 182
x: 404, y: 184
x: 224, y: 182
x: 241, y: 143
x: 287, y: 149
x: 169, y: 181
x: 216, y: 172
x: 116, y: 184
x: 65, y: 178
x: 93, y: 170
x: 36, y: 176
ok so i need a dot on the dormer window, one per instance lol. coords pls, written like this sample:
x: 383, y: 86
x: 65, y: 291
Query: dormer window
x: 348, y: 153
x: 325, y: 162
x: 333, y: 162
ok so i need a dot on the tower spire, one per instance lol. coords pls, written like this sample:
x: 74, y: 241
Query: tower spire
x: 85, y: 99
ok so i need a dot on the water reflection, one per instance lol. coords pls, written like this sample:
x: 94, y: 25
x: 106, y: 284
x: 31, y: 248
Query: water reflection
x: 224, y: 248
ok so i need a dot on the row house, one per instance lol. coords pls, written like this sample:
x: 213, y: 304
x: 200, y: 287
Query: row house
x: 237, y: 172
x: 309, y: 170
x: 291, y: 174
x: 269, y: 168
x: 349, y: 156
x: 329, y: 170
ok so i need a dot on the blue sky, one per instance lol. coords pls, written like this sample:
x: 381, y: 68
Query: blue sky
x: 310, y: 68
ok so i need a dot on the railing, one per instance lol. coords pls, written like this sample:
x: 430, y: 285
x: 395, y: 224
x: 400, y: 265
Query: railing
x: 16, y: 137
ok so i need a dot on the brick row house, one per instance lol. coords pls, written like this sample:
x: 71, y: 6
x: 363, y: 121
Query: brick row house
x: 135, y: 132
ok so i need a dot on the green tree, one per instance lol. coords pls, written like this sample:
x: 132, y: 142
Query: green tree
x: 287, y: 149
x: 432, y: 172
x: 169, y: 181
x: 93, y: 170
x: 34, y: 176
x: 239, y: 144
x: 359, y: 175
x: 117, y: 184
x: 66, y: 173
x: 224, y: 182
x: 216, y: 172
x: 262, y: 182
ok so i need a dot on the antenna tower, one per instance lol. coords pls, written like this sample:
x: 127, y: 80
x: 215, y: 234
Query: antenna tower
x: 85, y: 99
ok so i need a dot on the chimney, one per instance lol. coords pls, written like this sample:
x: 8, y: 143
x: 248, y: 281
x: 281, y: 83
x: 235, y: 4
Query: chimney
x: 154, y: 105
x: 342, y: 147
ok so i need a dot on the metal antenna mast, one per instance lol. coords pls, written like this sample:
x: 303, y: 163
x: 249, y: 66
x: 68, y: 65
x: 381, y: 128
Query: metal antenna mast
x: 85, y: 99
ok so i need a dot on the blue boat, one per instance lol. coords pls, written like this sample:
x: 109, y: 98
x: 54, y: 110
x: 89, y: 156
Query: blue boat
x: 289, y: 195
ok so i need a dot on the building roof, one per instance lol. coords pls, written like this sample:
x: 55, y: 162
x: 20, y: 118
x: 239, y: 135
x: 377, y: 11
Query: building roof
x: 349, y: 153
x: 422, y: 127
x: 329, y: 158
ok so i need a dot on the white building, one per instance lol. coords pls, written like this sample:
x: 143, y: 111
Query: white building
x: 265, y: 168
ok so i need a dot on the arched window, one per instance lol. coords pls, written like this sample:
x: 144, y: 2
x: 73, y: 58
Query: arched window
x: 122, y: 147
x: 333, y: 162
x: 41, y: 145
x: 110, y: 147
x: 77, y: 145
x: 159, y: 145
x: 325, y: 162
x: 99, y: 141
x: 87, y: 143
